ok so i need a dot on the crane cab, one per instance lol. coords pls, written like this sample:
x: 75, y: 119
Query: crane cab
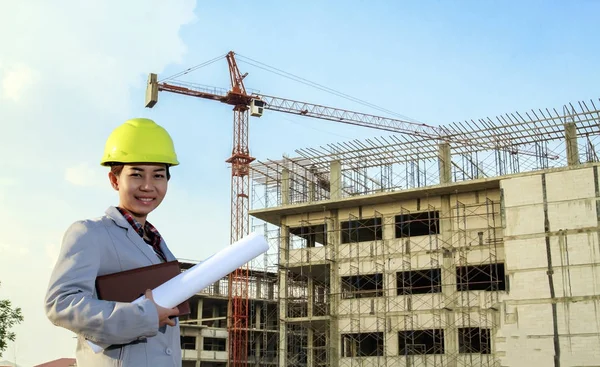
x: 256, y: 107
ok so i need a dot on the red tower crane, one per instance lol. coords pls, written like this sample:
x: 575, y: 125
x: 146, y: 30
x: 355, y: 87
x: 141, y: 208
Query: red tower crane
x: 254, y: 104
x: 240, y: 160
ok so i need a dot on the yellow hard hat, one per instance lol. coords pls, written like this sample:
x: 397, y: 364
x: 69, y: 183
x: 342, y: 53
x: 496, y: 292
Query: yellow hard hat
x: 139, y: 140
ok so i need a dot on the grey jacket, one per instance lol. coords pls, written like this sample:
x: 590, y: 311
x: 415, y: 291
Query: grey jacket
x: 97, y: 247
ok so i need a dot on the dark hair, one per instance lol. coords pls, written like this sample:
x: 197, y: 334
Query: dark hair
x: 117, y: 168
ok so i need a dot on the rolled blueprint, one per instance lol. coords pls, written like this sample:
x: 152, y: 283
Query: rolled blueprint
x: 200, y: 276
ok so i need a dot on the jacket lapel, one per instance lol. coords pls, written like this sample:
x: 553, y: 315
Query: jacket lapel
x: 168, y: 254
x: 135, y: 238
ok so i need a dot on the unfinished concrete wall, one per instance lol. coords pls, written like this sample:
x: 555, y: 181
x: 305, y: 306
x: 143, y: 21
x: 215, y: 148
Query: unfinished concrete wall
x: 551, y: 314
x: 204, y: 335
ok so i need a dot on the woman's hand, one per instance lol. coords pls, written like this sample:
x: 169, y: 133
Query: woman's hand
x: 164, y: 314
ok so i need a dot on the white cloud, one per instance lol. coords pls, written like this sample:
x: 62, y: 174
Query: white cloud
x: 17, y: 80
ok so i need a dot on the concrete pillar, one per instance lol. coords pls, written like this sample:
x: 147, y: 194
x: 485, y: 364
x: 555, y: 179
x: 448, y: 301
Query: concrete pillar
x: 390, y: 330
x: 217, y: 287
x: 310, y: 353
x: 448, y: 272
x: 311, y: 296
x: 258, y: 288
x: 571, y: 143
x: 335, y: 180
x: 283, y: 295
x: 258, y: 314
x: 215, y: 311
x: 445, y: 163
x: 199, y: 311
x: 258, y: 321
x: 333, y: 241
x: 285, y: 187
x: 312, y: 188
x: 258, y: 355
x: 200, y: 345
x: 199, y: 338
x: 270, y: 290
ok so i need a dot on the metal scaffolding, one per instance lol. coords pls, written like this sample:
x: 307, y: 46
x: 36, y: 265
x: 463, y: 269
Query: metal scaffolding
x: 410, y: 284
x: 505, y: 145
x: 401, y: 282
x: 408, y: 293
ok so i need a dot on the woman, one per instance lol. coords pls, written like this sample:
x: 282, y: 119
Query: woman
x: 139, y: 154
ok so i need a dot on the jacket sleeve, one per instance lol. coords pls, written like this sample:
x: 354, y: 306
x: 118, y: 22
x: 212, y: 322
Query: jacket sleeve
x: 70, y: 300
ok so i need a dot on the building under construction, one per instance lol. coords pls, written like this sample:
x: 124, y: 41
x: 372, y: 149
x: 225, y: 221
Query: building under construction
x: 481, y: 249
x: 204, y: 333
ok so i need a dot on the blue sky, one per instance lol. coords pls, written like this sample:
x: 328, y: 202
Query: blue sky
x: 437, y: 63
x: 67, y: 79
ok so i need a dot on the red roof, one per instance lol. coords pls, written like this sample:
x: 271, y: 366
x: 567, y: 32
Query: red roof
x: 63, y: 362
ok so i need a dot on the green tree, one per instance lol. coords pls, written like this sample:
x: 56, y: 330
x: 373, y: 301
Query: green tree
x: 8, y: 318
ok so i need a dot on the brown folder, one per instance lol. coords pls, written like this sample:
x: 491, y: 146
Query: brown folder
x: 129, y: 285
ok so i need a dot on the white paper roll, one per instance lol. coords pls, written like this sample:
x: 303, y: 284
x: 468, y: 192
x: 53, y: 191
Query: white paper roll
x: 200, y: 276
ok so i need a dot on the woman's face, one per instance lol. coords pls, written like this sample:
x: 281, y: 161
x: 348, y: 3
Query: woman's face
x: 141, y: 187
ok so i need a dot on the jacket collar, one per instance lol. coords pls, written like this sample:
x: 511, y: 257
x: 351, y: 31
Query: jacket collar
x: 113, y: 213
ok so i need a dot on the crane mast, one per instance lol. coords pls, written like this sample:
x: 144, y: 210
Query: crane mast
x: 240, y: 187
x: 239, y: 160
